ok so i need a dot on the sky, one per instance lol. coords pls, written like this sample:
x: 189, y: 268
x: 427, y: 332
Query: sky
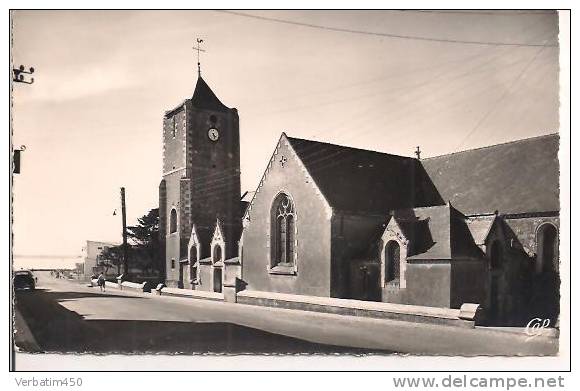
x: 92, y: 120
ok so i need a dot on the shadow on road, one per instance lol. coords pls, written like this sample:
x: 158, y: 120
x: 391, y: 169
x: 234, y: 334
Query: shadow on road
x: 62, y: 296
x: 57, y: 329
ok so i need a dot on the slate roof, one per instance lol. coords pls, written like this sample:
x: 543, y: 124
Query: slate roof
x: 431, y: 233
x: 516, y: 177
x: 359, y: 180
x: 436, y: 233
x: 204, y: 98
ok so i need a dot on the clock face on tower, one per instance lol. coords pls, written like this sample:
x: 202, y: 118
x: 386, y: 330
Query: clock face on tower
x: 213, y: 134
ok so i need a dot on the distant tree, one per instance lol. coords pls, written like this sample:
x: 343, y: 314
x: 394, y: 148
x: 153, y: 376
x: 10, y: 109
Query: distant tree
x: 146, y: 232
x: 111, y: 257
x: 145, y: 250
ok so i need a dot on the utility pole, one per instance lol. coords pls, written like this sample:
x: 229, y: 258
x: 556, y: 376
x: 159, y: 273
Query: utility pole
x: 124, y: 217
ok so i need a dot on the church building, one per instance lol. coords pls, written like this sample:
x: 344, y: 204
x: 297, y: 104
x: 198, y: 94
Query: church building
x: 478, y: 226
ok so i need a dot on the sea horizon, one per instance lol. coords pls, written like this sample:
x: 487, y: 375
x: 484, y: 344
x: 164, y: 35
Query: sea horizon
x: 40, y: 261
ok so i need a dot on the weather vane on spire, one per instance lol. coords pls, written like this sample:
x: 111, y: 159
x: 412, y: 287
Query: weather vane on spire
x: 199, y: 49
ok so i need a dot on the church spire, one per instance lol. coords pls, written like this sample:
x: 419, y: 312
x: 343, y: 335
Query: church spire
x: 204, y: 98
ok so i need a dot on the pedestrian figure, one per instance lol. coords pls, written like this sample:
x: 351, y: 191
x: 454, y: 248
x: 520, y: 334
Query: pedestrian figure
x: 101, y: 282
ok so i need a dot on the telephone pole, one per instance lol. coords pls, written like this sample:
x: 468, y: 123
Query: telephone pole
x: 124, y: 217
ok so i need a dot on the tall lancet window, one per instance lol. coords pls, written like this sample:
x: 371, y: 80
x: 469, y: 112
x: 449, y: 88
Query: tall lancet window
x: 283, y: 228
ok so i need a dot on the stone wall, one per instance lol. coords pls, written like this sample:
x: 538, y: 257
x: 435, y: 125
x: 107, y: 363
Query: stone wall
x: 184, y: 216
x: 428, y: 284
x: 525, y: 228
x: 468, y: 281
x: 214, y: 169
x: 162, y: 221
x: 536, y: 293
x: 172, y: 240
x: 205, y: 281
x: 174, y: 147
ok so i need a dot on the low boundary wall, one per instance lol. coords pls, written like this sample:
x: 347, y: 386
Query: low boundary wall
x: 464, y: 317
x: 166, y: 291
x: 410, y: 313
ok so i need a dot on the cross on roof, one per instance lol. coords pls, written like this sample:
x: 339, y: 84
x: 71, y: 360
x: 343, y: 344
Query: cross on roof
x: 283, y: 160
x: 199, y: 49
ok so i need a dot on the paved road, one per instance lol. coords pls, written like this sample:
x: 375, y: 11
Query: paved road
x: 65, y: 316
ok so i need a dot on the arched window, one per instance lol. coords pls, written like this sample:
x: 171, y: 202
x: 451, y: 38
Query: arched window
x: 173, y: 263
x: 217, y: 254
x: 392, y: 261
x: 173, y: 221
x: 547, y: 244
x: 283, y: 228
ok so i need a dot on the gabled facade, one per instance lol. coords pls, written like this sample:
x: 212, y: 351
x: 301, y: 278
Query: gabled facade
x: 427, y: 255
x: 286, y: 243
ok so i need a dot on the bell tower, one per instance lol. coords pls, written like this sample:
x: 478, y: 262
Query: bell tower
x: 201, y: 178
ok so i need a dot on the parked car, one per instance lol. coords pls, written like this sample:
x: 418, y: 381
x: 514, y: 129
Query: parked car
x: 24, y: 280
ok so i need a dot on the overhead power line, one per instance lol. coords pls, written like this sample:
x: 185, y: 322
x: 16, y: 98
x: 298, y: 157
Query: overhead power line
x: 388, y: 35
x: 501, y: 98
x: 485, y: 12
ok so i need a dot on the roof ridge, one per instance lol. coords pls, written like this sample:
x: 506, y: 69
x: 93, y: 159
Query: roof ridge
x: 348, y: 147
x: 494, y: 145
